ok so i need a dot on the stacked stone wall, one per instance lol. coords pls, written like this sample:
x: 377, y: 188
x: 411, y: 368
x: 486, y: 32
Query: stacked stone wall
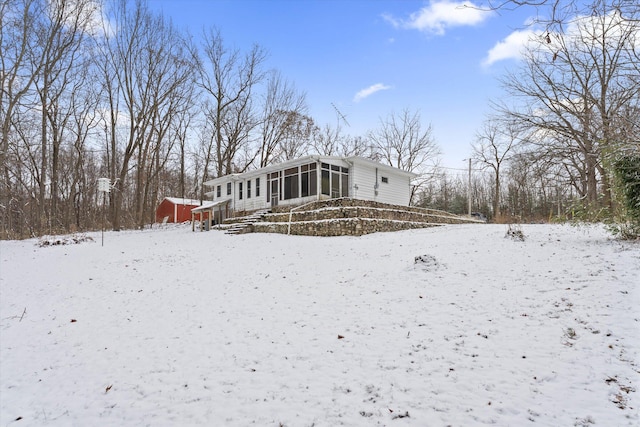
x: 348, y: 202
x: 349, y: 217
x: 365, y: 212
x: 339, y: 227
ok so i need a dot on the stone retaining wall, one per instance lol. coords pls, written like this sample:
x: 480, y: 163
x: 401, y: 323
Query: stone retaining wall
x: 338, y: 227
x: 349, y: 217
x: 366, y: 212
x: 348, y: 202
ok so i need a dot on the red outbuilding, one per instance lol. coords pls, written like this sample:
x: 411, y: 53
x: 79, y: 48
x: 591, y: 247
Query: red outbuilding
x: 176, y: 209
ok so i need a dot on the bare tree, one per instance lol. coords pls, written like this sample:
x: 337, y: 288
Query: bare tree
x: 21, y: 64
x: 42, y: 51
x: 283, y: 106
x: 356, y: 146
x: 402, y: 142
x: 296, y: 140
x: 493, y: 147
x: 228, y: 79
x: 577, y: 82
x: 66, y: 29
x: 122, y: 75
x: 181, y: 131
x: 83, y: 164
x: 147, y: 71
x: 326, y: 139
x: 170, y: 60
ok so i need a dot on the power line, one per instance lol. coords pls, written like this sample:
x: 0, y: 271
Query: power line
x: 460, y: 169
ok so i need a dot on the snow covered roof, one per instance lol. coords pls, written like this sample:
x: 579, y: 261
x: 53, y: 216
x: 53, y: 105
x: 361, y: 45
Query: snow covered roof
x: 179, y: 201
x: 210, y: 205
x: 344, y: 161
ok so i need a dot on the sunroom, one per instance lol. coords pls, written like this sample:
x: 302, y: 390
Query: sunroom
x: 311, y: 178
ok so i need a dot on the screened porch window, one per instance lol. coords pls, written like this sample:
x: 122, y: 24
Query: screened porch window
x: 291, y: 184
x: 308, y: 180
x: 335, y: 181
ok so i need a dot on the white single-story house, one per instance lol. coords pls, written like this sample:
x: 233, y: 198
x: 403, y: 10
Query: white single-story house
x: 311, y: 178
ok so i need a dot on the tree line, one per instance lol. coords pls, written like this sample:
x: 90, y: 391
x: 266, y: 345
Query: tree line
x: 93, y: 89
x: 570, y: 116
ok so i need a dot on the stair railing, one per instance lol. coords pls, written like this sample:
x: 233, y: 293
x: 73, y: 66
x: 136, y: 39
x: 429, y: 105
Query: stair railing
x: 291, y: 214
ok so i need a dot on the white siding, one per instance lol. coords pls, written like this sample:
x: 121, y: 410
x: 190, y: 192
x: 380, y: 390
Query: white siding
x: 396, y: 191
x: 363, y: 182
x: 254, y: 202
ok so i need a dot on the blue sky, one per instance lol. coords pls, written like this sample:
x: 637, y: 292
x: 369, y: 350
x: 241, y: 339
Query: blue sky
x: 372, y: 58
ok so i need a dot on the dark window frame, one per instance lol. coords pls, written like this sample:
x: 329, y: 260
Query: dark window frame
x: 334, y: 180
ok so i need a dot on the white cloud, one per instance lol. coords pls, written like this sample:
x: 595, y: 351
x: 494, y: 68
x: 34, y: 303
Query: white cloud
x: 440, y: 15
x: 510, y: 48
x: 581, y: 31
x: 369, y: 91
x: 89, y: 14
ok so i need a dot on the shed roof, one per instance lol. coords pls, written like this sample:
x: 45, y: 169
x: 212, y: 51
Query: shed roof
x: 179, y: 201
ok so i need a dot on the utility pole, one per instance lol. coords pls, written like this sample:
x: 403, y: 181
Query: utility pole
x: 469, y: 187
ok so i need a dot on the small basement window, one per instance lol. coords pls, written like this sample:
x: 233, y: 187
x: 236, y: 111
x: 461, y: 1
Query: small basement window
x: 384, y: 179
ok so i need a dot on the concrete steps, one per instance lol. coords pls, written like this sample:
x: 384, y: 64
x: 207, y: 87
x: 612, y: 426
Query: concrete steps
x: 244, y: 226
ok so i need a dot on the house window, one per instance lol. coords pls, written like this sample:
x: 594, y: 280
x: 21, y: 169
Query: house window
x: 219, y: 191
x: 308, y: 180
x: 257, y: 187
x: 291, y: 183
x: 239, y: 191
x: 249, y: 189
x: 228, y: 188
x: 384, y: 179
x: 344, y: 182
x: 334, y: 181
x: 325, y: 180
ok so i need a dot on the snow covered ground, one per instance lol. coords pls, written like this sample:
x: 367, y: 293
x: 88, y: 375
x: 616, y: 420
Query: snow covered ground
x: 167, y: 327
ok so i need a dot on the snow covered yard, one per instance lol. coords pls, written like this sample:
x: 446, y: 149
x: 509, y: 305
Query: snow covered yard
x: 169, y: 327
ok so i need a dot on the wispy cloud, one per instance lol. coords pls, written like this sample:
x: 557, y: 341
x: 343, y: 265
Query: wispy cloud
x: 511, y: 47
x: 440, y: 15
x: 364, y: 93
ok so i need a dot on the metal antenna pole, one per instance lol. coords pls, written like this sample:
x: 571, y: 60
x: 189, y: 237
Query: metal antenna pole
x: 104, y: 201
x: 469, y: 187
